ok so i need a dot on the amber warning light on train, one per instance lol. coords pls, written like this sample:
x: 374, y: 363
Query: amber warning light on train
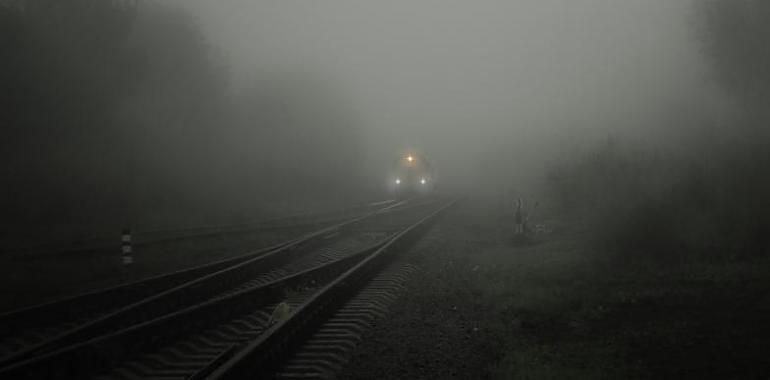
x: 412, y: 174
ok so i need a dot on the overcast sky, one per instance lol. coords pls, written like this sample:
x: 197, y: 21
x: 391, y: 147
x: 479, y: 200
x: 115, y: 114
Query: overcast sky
x: 463, y: 78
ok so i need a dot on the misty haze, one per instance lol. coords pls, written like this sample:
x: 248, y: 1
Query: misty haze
x: 406, y: 189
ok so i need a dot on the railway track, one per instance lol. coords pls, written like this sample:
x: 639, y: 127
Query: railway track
x: 31, y: 331
x: 328, y: 347
x: 220, y: 317
x: 25, y: 328
x: 291, y: 223
x: 314, y: 341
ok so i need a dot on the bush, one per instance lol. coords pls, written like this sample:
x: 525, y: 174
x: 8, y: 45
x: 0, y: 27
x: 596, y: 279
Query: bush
x: 665, y: 207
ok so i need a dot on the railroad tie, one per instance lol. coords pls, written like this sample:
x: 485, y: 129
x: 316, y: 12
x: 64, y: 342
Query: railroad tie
x: 329, y: 348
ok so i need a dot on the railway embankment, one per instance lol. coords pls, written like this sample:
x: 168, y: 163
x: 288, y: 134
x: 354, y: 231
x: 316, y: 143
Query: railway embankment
x: 483, y: 307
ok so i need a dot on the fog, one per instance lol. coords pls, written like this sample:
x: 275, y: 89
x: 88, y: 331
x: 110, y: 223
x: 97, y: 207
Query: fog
x: 128, y: 113
x: 488, y: 90
x: 554, y: 188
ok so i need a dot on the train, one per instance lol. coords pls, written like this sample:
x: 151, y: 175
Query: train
x: 412, y: 174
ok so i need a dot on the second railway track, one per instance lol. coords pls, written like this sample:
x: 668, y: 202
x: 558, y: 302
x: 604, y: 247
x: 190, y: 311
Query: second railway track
x: 189, y: 330
x: 27, y: 332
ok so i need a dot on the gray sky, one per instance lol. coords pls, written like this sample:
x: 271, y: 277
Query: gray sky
x: 460, y: 80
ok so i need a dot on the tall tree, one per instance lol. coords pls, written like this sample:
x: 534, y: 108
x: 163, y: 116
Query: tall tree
x: 736, y: 37
x: 304, y: 136
x: 65, y: 65
x: 107, y: 108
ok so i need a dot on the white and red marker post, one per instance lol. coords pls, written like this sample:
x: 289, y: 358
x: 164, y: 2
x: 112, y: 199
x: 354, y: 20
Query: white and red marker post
x: 126, y: 248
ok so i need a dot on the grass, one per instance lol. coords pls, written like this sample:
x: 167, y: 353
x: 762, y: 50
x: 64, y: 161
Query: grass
x: 567, y: 311
x: 558, y: 361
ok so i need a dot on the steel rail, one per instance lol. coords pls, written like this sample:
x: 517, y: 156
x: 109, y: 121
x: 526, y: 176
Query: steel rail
x: 261, y: 357
x: 144, y: 238
x: 208, y: 284
x: 87, y: 358
x: 80, y: 305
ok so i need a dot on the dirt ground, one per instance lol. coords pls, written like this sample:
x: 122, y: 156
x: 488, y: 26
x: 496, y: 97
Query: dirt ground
x: 486, y: 306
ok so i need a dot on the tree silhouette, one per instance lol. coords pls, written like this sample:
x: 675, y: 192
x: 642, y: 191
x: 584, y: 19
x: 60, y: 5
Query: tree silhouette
x: 736, y: 37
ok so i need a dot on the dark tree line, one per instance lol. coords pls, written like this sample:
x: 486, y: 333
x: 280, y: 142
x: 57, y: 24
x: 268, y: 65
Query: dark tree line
x: 736, y: 39
x: 64, y: 68
x: 120, y: 112
x: 709, y: 198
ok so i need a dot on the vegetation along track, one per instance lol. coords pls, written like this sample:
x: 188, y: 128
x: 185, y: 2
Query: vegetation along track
x: 28, y: 332
x: 229, y: 307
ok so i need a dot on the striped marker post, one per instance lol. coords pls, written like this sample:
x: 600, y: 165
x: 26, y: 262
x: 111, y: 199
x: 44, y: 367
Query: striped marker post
x: 128, y: 252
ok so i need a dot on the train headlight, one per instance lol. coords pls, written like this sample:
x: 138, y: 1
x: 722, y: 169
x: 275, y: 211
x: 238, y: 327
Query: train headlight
x: 398, y: 181
x: 409, y: 158
x: 423, y: 181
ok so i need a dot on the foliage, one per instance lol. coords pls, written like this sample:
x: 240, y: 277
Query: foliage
x: 117, y: 112
x: 301, y: 117
x: 67, y: 67
x: 711, y: 204
x: 666, y: 207
x: 735, y: 38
